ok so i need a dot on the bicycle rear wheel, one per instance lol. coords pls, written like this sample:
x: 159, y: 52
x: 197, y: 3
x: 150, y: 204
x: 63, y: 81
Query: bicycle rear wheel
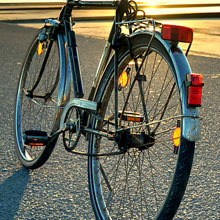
x: 37, y: 101
x: 148, y: 181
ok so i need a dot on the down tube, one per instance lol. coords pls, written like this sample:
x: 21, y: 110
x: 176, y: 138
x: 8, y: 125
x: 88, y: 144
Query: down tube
x: 65, y: 76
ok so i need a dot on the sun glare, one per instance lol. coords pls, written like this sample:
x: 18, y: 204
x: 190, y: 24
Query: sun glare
x: 155, y: 2
x: 164, y: 2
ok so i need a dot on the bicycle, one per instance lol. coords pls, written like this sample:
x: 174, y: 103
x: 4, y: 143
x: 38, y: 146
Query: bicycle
x: 141, y: 117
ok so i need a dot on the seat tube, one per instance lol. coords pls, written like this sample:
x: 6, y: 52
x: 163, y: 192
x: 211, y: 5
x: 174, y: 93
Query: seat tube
x: 114, y: 36
x: 72, y: 52
x: 74, y: 64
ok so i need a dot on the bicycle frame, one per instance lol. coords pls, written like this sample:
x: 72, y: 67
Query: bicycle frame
x: 190, y: 115
x: 73, y: 61
x: 142, y: 106
x: 70, y: 39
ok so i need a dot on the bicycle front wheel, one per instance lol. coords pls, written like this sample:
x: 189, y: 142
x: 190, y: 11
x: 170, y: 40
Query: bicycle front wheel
x: 37, y: 101
x: 148, y: 180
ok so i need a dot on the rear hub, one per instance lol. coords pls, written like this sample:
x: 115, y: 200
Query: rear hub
x: 126, y: 140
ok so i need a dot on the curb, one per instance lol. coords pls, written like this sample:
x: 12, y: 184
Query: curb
x: 30, y: 6
x: 110, y: 18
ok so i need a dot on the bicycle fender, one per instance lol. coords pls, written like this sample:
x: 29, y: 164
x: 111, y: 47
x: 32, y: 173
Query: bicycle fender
x: 190, y: 115
x: 65, y: 74
x: 191, y: 125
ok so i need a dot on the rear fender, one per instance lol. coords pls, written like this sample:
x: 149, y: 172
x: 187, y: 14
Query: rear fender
x: 190, y: 115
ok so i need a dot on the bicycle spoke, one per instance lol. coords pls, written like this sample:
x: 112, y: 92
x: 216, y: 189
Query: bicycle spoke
x: 135, y: 185
x: 36, y: 112
x: 165, y: 107
x: 108, y: 185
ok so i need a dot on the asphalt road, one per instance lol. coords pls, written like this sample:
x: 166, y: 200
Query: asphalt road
x: 59, y: 189
x: 206, y: 29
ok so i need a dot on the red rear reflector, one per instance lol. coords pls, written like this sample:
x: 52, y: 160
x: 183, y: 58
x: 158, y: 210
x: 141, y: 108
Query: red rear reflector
x: 177, y: 33
x: 194, y: 89
x: 196, y: 79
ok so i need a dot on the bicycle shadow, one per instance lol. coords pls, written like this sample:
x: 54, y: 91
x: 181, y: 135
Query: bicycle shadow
x: 11, y: 193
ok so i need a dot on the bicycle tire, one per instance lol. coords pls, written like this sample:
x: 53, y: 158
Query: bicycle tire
x: 118, y: 191
x: 31, y: 115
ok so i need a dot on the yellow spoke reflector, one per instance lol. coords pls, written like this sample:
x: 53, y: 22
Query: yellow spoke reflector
x: 40, y: 48
x: 123, y: 79
x: 176, y: 136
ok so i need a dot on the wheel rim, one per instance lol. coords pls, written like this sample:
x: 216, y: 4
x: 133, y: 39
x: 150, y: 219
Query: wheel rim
x: 130, y: 185
x: 38, y: 114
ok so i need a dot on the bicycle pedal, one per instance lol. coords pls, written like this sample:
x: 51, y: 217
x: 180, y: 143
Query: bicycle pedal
x: 35, y: 138
x: 131, y: 116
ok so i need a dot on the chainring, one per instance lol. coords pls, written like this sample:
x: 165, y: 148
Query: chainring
x: 72, y: 134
